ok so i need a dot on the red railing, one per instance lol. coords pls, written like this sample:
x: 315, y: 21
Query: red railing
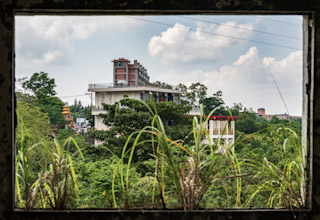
x: 219, y: 117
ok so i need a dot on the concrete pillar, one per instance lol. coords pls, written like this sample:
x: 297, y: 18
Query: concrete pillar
x: 211, y: 129
x: 95, y: 121
x: 233, y: 131
x: 227, y: 133
x: 227, y: 128
x: 232, y: 127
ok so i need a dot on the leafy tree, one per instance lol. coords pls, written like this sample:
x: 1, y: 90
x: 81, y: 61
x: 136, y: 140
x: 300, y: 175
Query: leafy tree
x: 25, y: 97
x: 236, y: 109
x: 95, y: 183
x: 53, y: 107
x: 196, y: 92
x: 161, y: 85
x: 275, y: 120
x: 212, y: 102
x: 36, y: 122
x: 183, y: 97
x: 134, y: 117
x: 77, y: 110
x: 89, y: 116
x: 247, y: 123
x: 182, y: 87
x: 42, y: 86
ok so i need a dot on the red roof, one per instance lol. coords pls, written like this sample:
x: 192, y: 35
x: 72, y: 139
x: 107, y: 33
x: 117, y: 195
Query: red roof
x: 117, y: 60
x: 219, y: 117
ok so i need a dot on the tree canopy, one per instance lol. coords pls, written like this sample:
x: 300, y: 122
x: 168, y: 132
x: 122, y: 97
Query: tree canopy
x: 37, y: 123
x: 196, y: 92
x: 210, y: 103
x: 135, y: 116
x: 161, y: 85
x: 42, y: 86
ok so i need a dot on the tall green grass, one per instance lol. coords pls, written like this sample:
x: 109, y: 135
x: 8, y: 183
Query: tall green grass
x: 282, y: 183
x: 23, y: 168
x: 50, y: 185
x: 53, y: 183
x: 190, y: 169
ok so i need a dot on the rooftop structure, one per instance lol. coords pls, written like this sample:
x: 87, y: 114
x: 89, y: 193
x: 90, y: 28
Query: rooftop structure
x: 108, y: 94
x: 129, y: 74
x: 67, y: 114
x: 129, y: 80
x: 262, y: 113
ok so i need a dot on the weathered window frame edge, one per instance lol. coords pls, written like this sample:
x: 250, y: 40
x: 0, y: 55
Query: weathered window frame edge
x: 308, y: 89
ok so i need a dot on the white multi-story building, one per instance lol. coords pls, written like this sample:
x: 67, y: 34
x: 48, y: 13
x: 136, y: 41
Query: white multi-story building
x: 130, y: 80
x: 109, y: 94
x: 221, y: 130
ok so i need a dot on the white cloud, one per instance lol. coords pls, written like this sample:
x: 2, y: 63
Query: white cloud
x: 289, y: 68
x: 41, y: 40
x: 248, y: 81
x: 179, y: 43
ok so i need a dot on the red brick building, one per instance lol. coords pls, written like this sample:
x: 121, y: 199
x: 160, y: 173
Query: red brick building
x: 133, y: 74
x: 262, y: 113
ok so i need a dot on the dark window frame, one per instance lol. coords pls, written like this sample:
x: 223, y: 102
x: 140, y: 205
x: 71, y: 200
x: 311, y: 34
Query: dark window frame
x: 311, y: 46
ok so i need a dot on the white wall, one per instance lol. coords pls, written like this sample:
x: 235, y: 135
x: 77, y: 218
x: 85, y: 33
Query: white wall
x: 221, y: 126
x: 98, y: 142
x: 98, y: 123
x: 111, y: 98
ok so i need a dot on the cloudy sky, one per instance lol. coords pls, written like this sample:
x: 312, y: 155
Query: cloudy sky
x: 239, y: 55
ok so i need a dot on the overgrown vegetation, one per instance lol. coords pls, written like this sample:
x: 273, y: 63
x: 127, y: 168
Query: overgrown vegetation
x: 154, y: 156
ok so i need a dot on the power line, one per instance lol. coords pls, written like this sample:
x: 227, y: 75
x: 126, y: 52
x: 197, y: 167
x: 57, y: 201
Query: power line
x: 248, y: 29
x: 222, y: 35
x: 283, y: 22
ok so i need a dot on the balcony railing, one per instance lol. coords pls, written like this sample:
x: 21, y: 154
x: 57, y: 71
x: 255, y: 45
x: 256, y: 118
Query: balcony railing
x: 111, y: 85
x: 101, y: 86
x: 100, y: 108
x: 222, y: 131
x: 97, y: 108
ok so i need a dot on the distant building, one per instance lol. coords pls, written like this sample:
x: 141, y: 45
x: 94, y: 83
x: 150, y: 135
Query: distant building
x: 131, y: 74
x: 221, y: 131
x: 129, y: 80
x: 262, y: 113
x: 67, y: 114
x: 81, y: 122
x: 112, y: 94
